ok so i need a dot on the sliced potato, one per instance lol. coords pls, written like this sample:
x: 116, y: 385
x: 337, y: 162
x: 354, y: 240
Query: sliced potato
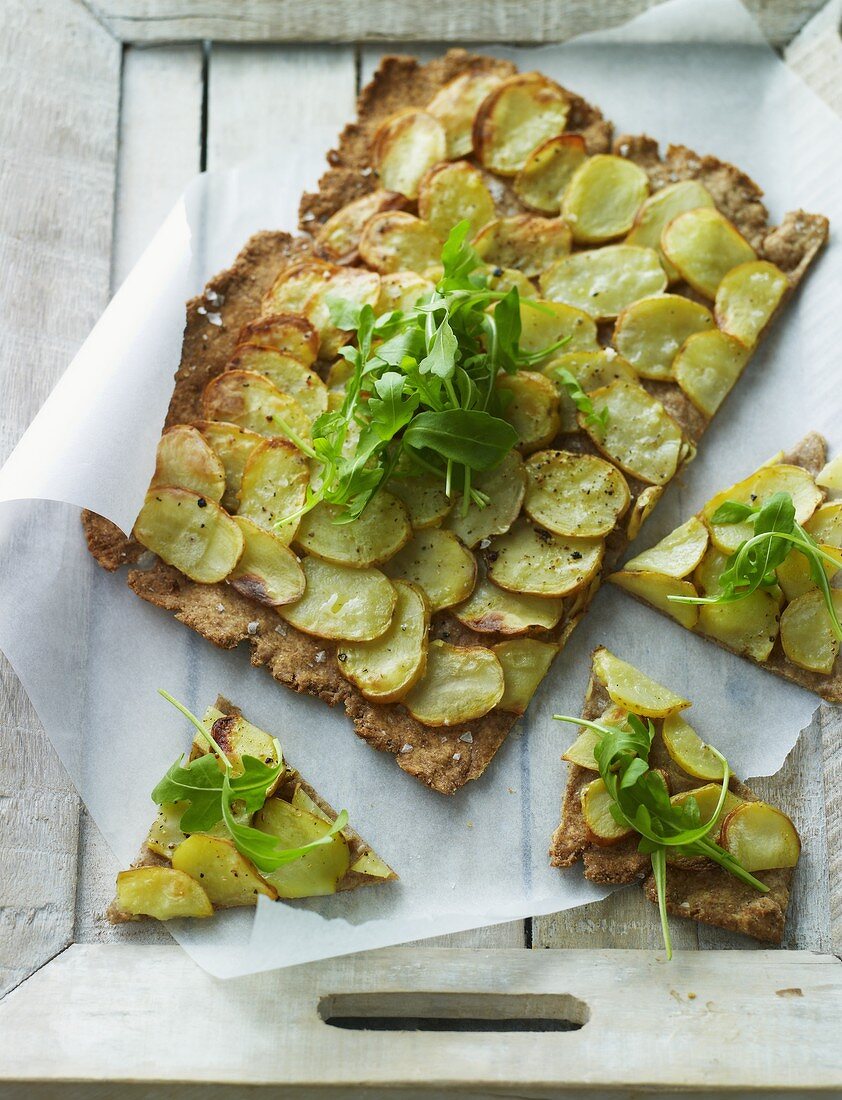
x: 455, y: 106
x: 424, y: 499
x: 294, y: 285
x: 251, y: 401
x: 807, y: 634
x: 604, y: 281
x: 592, y: 370
x: 384, y: 670
x: 377, y: 535
x: 402, y: 290
x: 633, y: 690
x: 273, y: 487
x: 460, y: 683
x: 227, y: 877
x: 688, y: 750
x: 706, y: 576
x: 596, y: 810
x: 603, y: 197
x: 267, y: 571
x: 184, y: 460
x: 354, y: 605
x: 541, y: 182
x: 677, y: 555
x: 756, y: 490
x: 830, y: 476
x: 404, y: 146
x: 505, y: 486
x: 525, y: 663
x: 520, y: 113
x: 502, y: 279
x: 749, y: 626
x: 707, y: 799
x: 237, y: 738
x: 398, y: 241
x: 655, y: 589
x: 316, y: 873
x: 532, y: 409
x: 493, y: 610
x: 286, y: 373
x: 348, y: 284
x: 439, y: 564
x: 165, y: 833
x: 660, y: 209
x: 339, y: 237
x: 232, y: 445
x: 703, y: 246
x: 289, y: 333
x: 544, y: 323
x: 760, y: 837
x: 825, y: 524
x: 581, y: 751
x: 794, y: 576
x: 707, y: 368
x: 639, y: 435
x: 534, y: 561
x: 162, y: 893
x: 371, y: 864
x: 642, y: 509
x: 189, y: 532
x: 302, y: 801
x: 451, y: 193
x: 747, y: 297
x: 649, y: 332
x: 574, y: 494
x: 526, y: 242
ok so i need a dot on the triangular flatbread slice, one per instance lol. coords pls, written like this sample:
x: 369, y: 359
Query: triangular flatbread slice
x: 695, y: 888
x: 785, y: 629
x: 180, y: 876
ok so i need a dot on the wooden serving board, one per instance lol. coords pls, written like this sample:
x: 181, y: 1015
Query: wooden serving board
x: 99, y: 135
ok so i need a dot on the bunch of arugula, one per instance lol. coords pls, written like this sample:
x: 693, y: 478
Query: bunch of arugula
x: 752, y: 566
x: 216, y: 795
x: 640, y: 800
x: 422, y: 391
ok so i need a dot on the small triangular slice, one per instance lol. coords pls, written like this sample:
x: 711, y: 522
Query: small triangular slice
x: 762, y: 837
x: 784, y: 627
x: 192, y: 875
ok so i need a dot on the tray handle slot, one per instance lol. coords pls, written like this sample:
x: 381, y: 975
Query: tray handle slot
x: 437, y: 1011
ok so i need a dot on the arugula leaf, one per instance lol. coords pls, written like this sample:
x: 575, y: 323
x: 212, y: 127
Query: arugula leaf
x: 200, y: 784
x: 470, y: 437
x: 441, y: 357
x: 582, y: 401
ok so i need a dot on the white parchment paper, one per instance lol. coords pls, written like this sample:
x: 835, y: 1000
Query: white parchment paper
x: 90, y: 654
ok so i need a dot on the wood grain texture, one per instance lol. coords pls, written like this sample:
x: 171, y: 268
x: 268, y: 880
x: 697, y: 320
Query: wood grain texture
x: 60, y: 91
x: 375, y: 20
x: 816, y: 54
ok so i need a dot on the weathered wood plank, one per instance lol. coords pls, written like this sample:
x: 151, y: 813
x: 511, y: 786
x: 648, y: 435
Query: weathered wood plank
x: 831, y: 724
x: 816, y: 54
x: 60, y: 91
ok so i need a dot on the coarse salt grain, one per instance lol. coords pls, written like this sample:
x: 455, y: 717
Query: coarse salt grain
x: 320, y: 657
x: 220, y: 607
x: 406, y: 748
x: 457, y: 756
x: 253, y: 627
x: 281, y: 629
x: 467, y: 737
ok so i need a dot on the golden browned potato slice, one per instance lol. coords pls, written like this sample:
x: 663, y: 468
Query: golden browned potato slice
x: 825, y: 524
x: 604, y: 281
x: 349, y: 284
x: 354, y: 605
x: 455, y: 106
x: 708, y: 366
x: 339, y: 237
x: 526, y: 242
x: 640, y: 435
x: 749, y: 626
x: 596, y: 810
x: 399, y: 241
x: 402, y: 290
x: 286, y: 373
x: 548, y: 169
x: 603, y: 197
x: 450, y: 193
x: 532, y: 410
x: 806, y: 633
x: 227, y: 877
x: 442, y: 567
x: 755, y: 491
x: 424, y: 499
x: 384, y: 670
x: 189, y: 532
x: 273, y: 487
x: 460, y: 683
x: 794, y: 576
x: 165, y: 833
x: 545, y: 323
x: 267, y: 571
x: 707, y: 799
x: 592, y: 370
x: 502, y: 279
x: 233, y: 445
x: 404, y: 147
x: 747, y: 298
x: 760, y: 837
x: 649, y: 332
x: 289, y: 333
x: 377, y: 535
x: 574, y: 494
x: 678, y: 554
x: 251, y: 401
x: 633, y: 690
x: 660, y: 209
x: 534, y: 561
x: 162, y: 893
x: 642, y: 508
x: 830, y: 477
x: 184, y: 460
x: 505, y: 487
x: 703, y: 246
x: 581, y: 751
x: 493, y: 610
x: 237, y: 738
x: 520, y: 113
x: 688, y: 750
x: 525, y: 663
x: 655, y: 589
x: 294, y: 285
x: 319, y: 871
